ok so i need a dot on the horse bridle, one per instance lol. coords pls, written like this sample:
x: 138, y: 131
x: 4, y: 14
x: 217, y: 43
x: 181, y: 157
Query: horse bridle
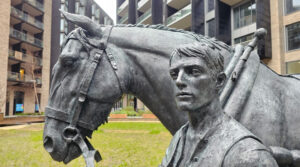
x: 71, y: 133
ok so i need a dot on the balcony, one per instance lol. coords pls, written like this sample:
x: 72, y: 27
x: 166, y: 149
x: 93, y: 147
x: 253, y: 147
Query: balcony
x: 24, y: 58
x: 122, y: 10
x: 18, y: 77
x: 231, y: 2
x: 36, y: 4
x: 145, y: 18
x: 123, y: 19
x: 178, y: 4
x: 180, y: 19
x: 144, y: 5
x: 25, y: 37
x: 27, y: 18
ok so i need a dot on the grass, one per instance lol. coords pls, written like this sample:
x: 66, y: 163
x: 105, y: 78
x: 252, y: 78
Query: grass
x: 121, y: 144
x: 130, y: 111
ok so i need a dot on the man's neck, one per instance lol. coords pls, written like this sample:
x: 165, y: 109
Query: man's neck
x: 205, y: 117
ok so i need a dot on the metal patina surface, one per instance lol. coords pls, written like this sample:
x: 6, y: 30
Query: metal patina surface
x: 136, y: 61
x: 210, y: 138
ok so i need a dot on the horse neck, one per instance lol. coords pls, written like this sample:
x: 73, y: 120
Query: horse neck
x: 148, y: 78
x: 146, y: 54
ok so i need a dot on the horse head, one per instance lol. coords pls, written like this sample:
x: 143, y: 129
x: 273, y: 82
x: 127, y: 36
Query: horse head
x: 76, y: 71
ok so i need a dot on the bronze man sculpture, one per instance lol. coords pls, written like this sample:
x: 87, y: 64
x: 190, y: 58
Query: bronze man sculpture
x: 210, y: 138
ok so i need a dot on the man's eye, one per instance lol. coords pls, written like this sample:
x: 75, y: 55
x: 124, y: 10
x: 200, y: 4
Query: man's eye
x: 174, y: 75
x: 196, y: 71
x: 193, y: 71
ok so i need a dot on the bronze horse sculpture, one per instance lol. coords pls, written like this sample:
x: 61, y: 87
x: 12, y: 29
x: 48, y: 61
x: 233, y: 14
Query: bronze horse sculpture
x: 135, y: 60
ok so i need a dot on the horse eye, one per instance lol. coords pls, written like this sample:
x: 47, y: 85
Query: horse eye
x: 67, y: 62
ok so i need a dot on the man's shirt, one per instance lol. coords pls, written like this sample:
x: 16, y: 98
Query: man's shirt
x: 225, y: 145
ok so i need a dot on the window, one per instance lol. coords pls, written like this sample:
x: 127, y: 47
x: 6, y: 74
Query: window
x: 244, y: 40
x: 62, y: 38
x: 244, y: 15
x: 211, y: 28
x: 293, y: 67
x: 293, y: 36
x: 292, y: 6
x: 210, y: 5
x: 77, y: 7
x: 93, y: 9
x: 81, y: 10
x: 62, y: 25
x: 18, y: 102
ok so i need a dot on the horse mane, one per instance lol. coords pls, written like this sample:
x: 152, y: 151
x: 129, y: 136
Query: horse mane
x: 212, y: 42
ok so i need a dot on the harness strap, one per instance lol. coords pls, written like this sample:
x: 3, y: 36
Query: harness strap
x: 104, y: 39
x: 65, y: 116
x: 85, y: 84
x: 94, y: 59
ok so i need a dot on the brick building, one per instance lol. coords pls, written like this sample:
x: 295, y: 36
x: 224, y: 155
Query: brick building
x: 25, y: 54
x: 31, y: 32
x: 231, y: 21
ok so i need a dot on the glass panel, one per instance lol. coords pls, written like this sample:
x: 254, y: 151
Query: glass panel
x: 244, y: 40
x: 211, y: 28
x: 210, y: 5
x: 236, y: 18
x: 292, y: 6
x: 293, y: 36
x: 143, y: 16
x: 293, y: 67
x: 62, y: 37
x: 62, y: 25
x: 253, y: 9
x: 77, y: 7
x: 183, y: 12
x: 244, y: 15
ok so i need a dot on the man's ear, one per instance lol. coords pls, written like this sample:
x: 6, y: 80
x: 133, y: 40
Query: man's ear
x: 221, y: 78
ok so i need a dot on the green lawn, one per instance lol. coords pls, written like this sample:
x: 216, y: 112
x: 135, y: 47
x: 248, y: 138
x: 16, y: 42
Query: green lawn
x: 132, y: 144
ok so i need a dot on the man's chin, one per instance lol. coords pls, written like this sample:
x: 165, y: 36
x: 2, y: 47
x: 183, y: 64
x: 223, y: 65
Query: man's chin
x: 184, y: 107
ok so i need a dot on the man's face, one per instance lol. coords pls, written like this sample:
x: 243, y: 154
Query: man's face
x: 196, y: 86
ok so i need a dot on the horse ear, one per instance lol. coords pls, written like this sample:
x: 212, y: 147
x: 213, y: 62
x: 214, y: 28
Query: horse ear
x: 83, y: 22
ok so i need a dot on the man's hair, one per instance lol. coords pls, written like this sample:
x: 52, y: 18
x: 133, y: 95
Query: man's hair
x: 211, y: 55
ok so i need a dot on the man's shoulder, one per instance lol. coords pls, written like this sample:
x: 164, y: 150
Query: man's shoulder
x: 249, y: 152
x: 247, y: 149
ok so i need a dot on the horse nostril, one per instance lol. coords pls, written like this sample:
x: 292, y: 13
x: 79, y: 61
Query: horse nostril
x: 48, y: 144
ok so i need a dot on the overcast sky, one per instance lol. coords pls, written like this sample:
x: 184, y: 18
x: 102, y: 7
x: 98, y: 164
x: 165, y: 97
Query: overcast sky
x: 109, y: 6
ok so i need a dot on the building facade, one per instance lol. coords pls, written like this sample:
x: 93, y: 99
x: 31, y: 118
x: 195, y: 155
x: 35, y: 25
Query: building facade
x: 25, y: 54
x: 231, y: 21
x: 31, y: 33
x: 60, y: 27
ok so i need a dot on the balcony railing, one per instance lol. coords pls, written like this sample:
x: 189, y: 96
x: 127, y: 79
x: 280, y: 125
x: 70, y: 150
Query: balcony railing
x: 35, y: 4
x: 184, y: 11
x: 25, y: 17
x: 25, y: 37
x: 17, y: 55
x: 124, y: 4
x: 123, y: 19
x: 14, y: 76
x: 38, y: 81
x: 142, y: 3
x: 143, y: 16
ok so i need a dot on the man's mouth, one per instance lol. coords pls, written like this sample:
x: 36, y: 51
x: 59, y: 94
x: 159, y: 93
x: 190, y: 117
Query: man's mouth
x: 184, y: 95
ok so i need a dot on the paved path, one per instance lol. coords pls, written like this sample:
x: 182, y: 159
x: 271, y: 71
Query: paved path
x: 17, y: 126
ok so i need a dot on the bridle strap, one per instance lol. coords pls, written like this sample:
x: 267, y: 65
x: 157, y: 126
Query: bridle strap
x: 96, y: 54
x: 87, y: 79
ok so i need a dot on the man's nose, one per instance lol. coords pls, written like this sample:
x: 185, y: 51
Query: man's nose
x: 180, y: 81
